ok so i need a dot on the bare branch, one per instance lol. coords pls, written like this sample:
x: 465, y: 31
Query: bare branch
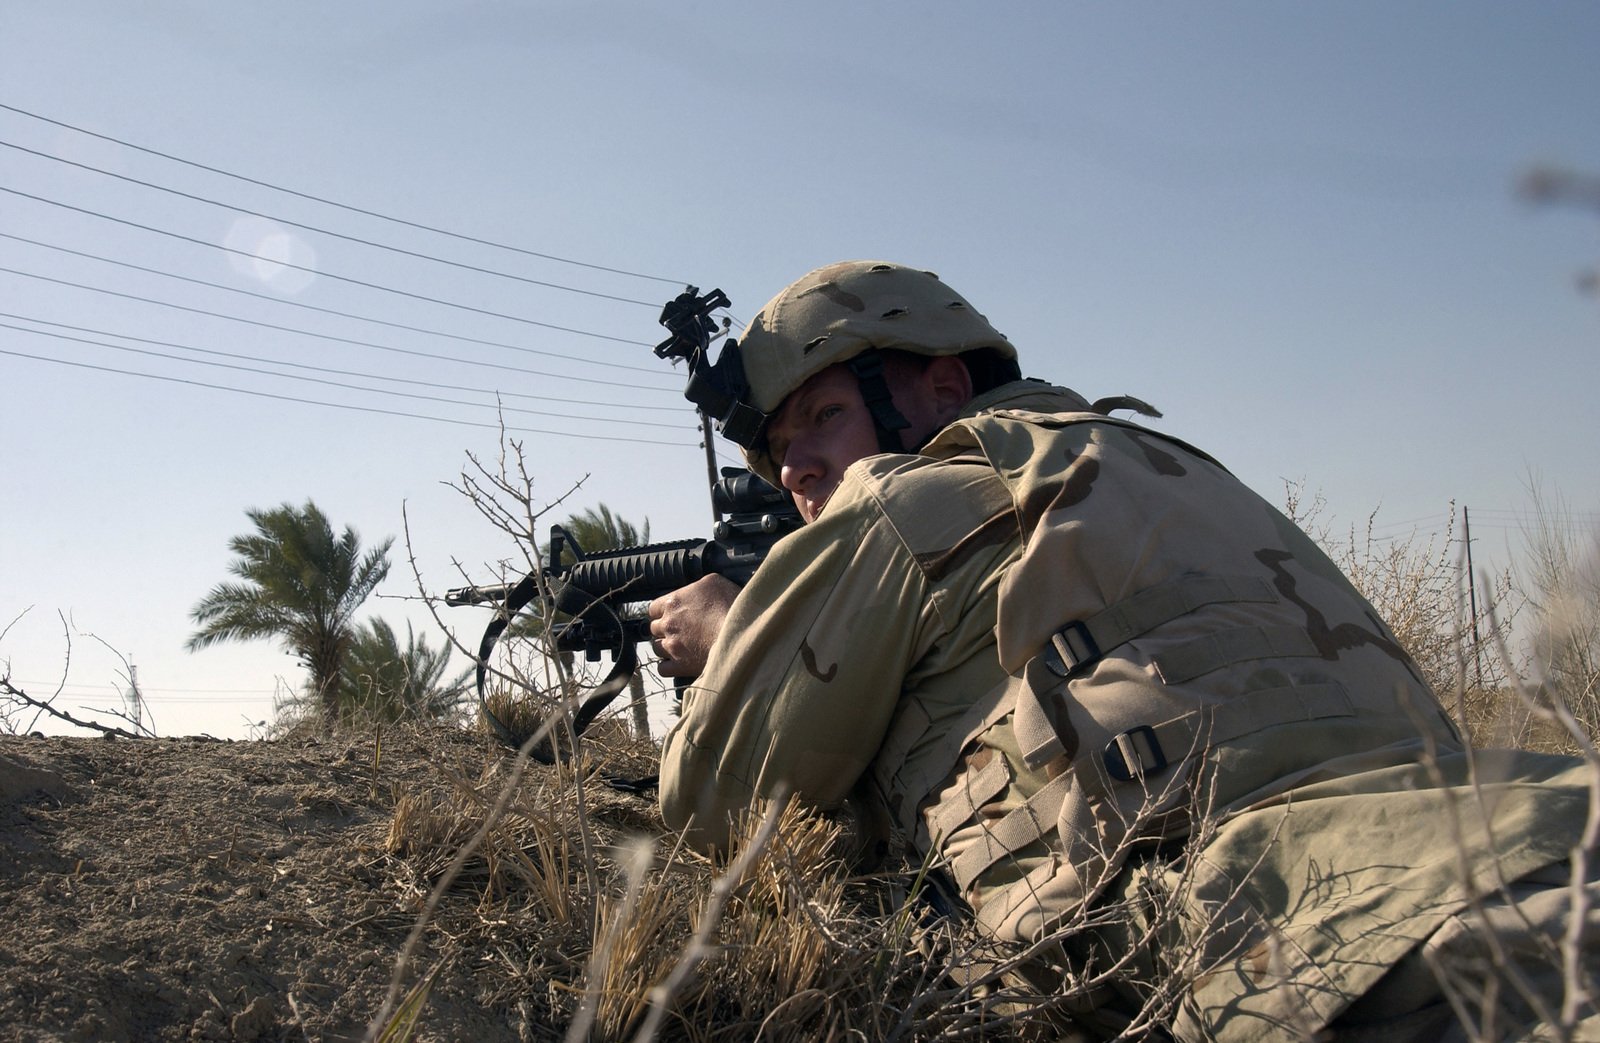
x: 45, y: 707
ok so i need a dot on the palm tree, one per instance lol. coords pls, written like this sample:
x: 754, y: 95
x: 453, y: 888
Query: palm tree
x: 390, y: 683
x: 598, y: 529
x: 301, y: 586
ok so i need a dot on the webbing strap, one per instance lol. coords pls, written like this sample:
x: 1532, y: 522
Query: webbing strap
x: 1038, y: 703
x: 1223, y: 648
x: 977, y: 789
x: 1181, y: 737
x: 1080, y: 643
x: 1012, y: 833
x: 1175, y: 740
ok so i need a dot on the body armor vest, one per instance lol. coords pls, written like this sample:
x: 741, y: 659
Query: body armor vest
x: 1176, y: 649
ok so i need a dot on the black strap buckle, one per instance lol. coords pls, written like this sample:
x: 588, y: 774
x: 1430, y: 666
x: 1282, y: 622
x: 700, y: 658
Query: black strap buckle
x: 1126, y: 759
x: 1074, y: 648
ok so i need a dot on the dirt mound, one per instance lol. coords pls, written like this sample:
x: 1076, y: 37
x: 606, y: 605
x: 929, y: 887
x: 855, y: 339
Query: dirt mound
x: 192, y: 889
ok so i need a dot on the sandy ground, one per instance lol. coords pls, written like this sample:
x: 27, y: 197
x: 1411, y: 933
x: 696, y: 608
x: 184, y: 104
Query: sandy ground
x: 197, y: 889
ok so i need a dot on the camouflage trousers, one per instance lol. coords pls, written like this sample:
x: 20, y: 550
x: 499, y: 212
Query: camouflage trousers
x: 1494, y: 971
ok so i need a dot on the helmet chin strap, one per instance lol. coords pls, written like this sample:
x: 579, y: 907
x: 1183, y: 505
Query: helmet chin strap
x: 868, y: 368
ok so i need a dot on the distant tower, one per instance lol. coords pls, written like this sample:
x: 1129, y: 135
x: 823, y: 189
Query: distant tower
x: 135, y: 699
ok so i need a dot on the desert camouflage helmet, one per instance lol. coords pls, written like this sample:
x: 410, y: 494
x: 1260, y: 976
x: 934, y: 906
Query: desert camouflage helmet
x: 838, y: 312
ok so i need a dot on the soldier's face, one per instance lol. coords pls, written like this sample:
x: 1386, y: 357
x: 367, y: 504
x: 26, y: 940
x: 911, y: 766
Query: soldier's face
x: 821, y: 429
x: 824, y: 426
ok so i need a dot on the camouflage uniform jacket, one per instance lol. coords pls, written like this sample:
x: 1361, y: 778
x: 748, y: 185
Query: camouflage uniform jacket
x: 1052, y: 646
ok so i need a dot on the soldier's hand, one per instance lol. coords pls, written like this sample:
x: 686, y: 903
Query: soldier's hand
x: 685, y: 623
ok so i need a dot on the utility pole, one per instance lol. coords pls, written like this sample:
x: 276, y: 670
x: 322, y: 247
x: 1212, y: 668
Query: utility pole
x: 711, y: 463
x: 1472, y: 595
x: 134, y: 697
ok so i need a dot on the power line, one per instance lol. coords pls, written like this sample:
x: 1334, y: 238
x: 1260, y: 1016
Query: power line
x: 348, y: 340
x: 330, y: 383
x: 1435, y: 518
x: 1532, y: 518
x: 330, y: 369
x: 333, y: 203
x: 1533, y: 513
x: 337, y: 405
x: 331, y: 311
x: 314, y: 271
x: 327, y: 231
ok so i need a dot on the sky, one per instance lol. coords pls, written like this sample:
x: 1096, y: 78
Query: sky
x: 1294, y: 228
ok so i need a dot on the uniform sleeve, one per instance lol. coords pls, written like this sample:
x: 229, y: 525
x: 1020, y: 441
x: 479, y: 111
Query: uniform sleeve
x: 801, y: 685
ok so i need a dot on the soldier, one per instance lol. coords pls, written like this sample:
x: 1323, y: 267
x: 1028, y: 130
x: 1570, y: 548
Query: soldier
x: 1080, y: 663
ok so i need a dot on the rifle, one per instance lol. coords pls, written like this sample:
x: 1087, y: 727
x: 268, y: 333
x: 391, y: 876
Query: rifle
x: 594, y: 602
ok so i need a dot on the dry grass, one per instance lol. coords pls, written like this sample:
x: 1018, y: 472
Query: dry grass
x: 1475, y: 661
x: 600, y: 929
x: 590, y: 926
x: 1417, y: 582
x: 1563, y: 580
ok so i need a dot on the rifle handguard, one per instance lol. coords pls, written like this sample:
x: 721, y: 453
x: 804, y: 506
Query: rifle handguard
x: 619, y: 575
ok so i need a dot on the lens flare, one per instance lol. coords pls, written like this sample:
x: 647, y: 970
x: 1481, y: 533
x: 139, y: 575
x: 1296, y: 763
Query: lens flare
x: 271, y: 254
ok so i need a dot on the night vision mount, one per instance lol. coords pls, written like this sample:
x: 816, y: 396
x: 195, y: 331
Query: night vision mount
x: 719, y: 390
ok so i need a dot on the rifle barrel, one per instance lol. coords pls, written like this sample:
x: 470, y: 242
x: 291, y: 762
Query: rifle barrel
x: 456, y: 597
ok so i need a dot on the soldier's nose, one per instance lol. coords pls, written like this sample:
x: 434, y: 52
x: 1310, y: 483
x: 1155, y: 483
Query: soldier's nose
x: 800, y: 470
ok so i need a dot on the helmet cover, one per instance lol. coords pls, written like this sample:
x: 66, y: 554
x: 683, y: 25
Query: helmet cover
x: 835, y: 313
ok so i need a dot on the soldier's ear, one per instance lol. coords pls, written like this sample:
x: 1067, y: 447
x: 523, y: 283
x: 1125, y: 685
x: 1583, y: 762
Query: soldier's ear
x: 950, y: 383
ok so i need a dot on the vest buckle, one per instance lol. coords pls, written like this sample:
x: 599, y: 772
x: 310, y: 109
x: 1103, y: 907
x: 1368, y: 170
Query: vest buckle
x: 1074, y: 648
x: 1126, y: 759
